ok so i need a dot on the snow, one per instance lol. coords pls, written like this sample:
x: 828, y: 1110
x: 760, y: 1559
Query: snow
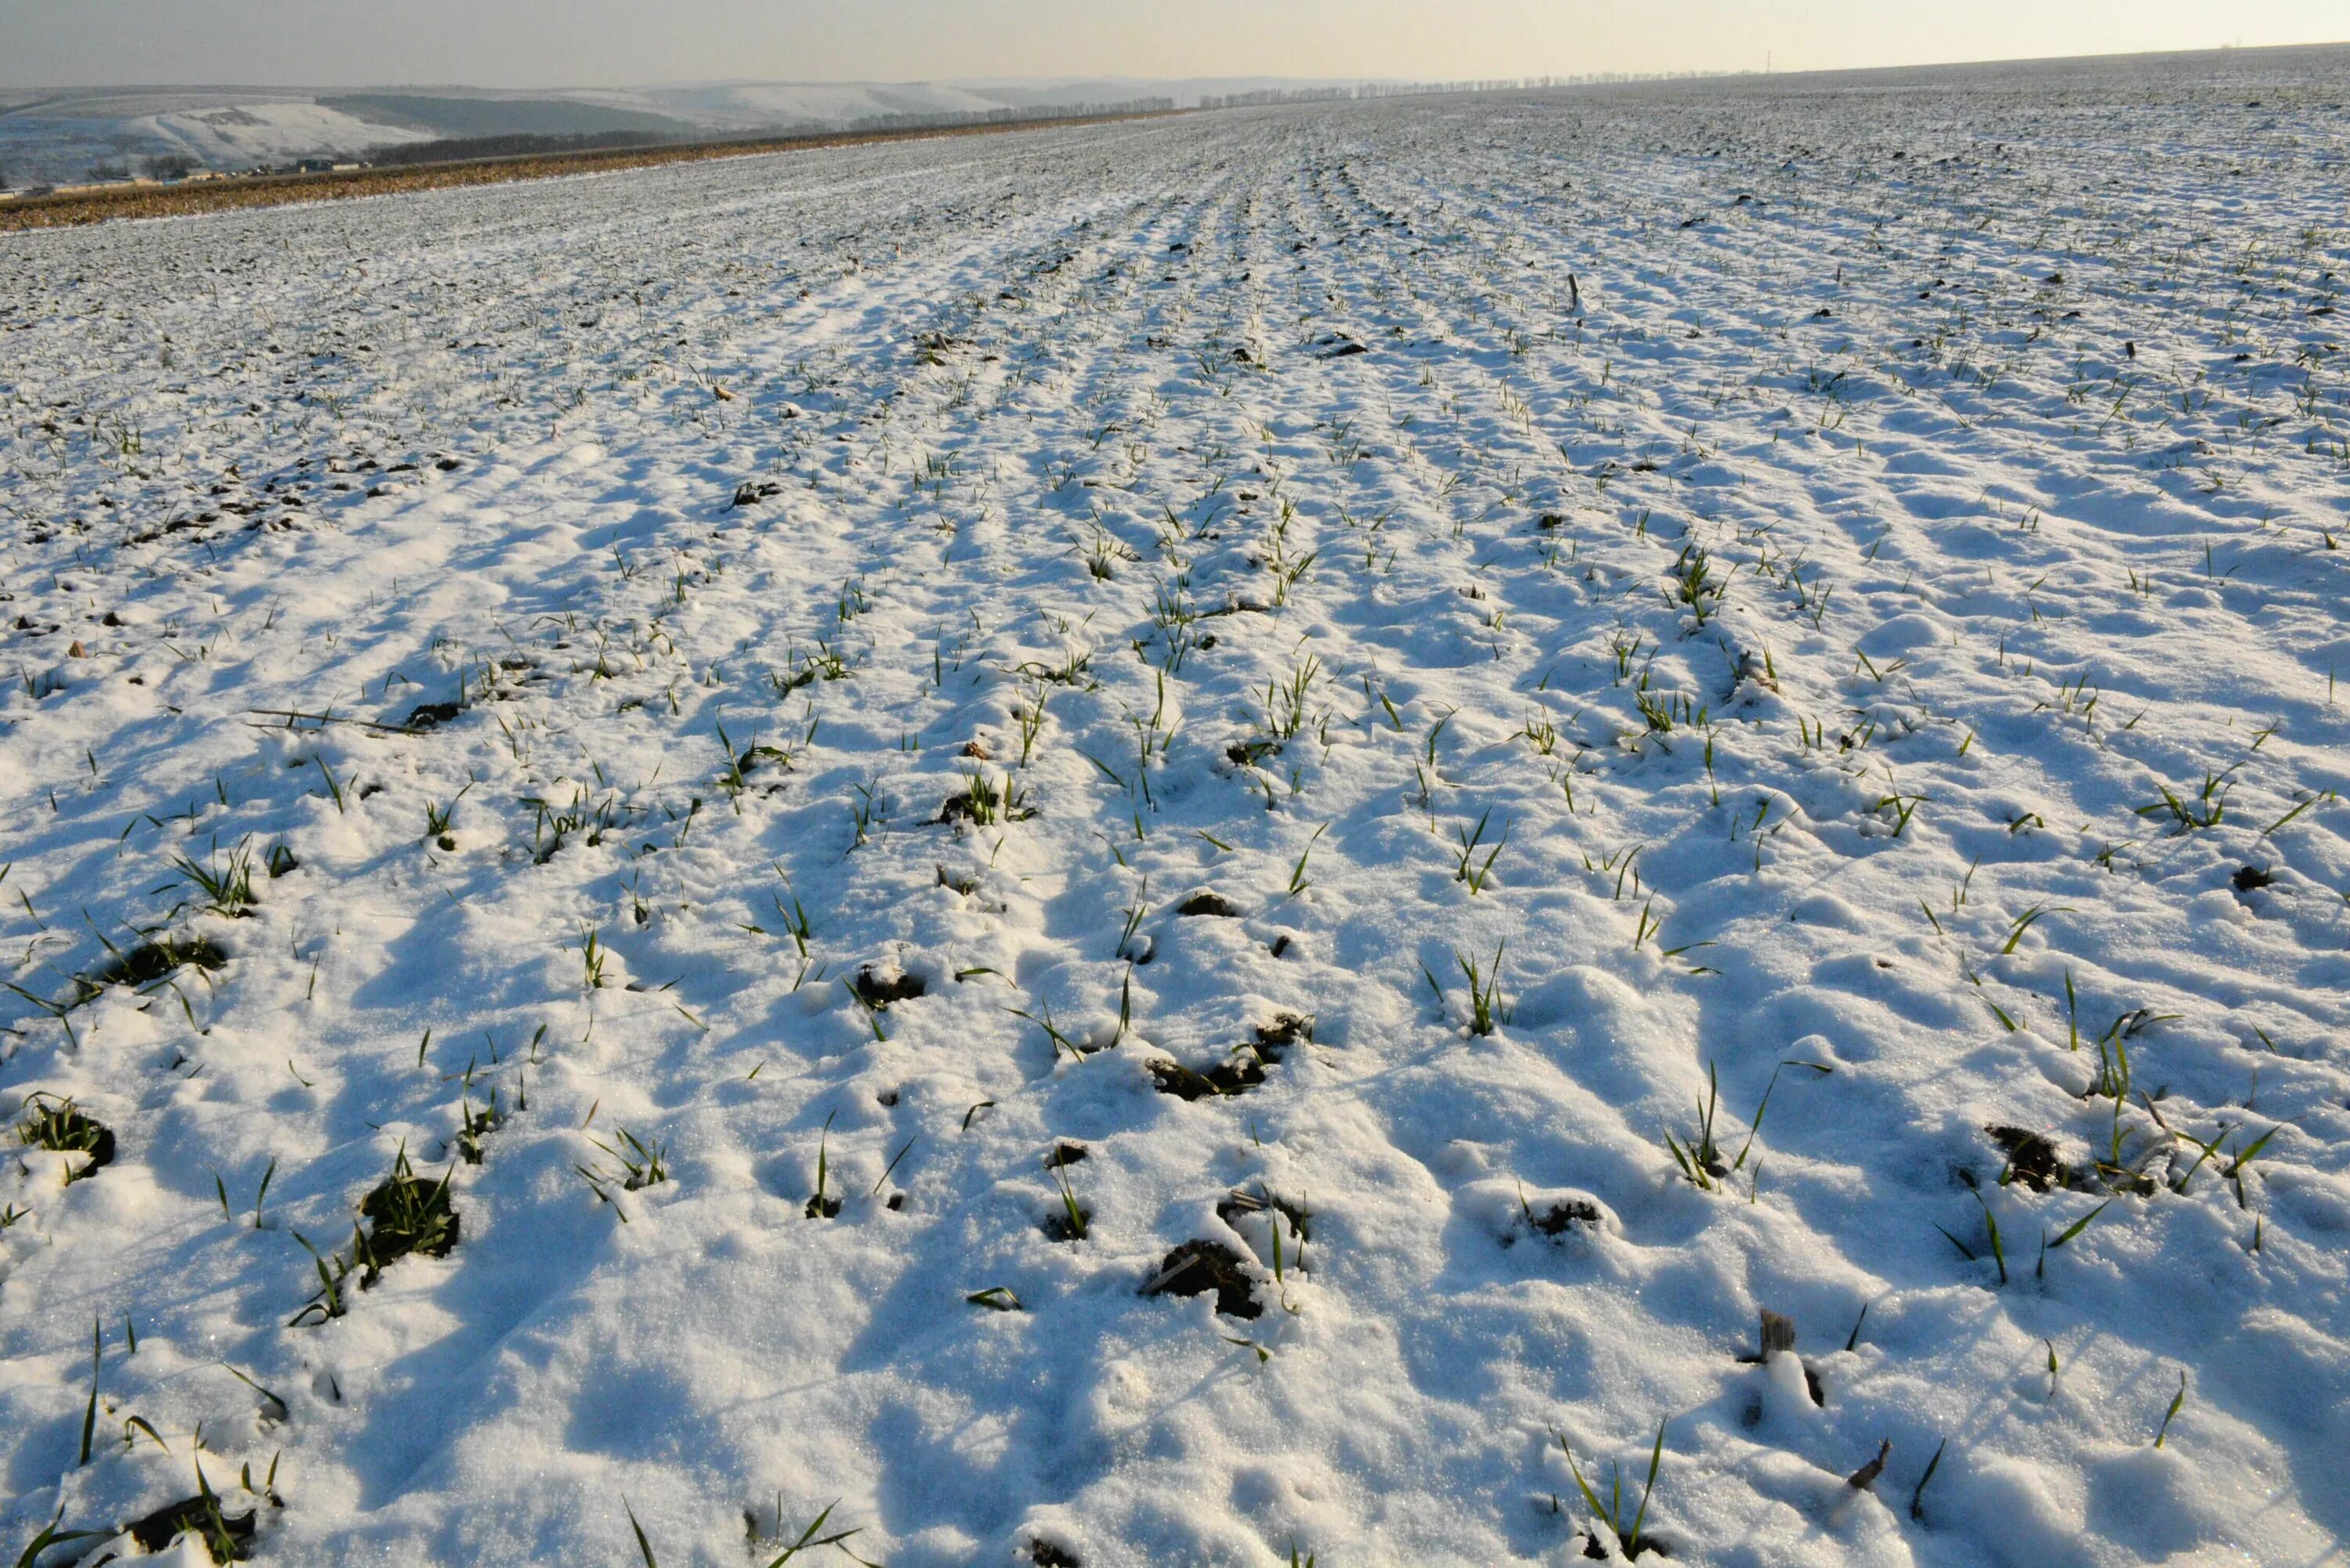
x: 58, y: 136
x: 2016, y: 462
x: 754, y: 105
x: 240, y: 136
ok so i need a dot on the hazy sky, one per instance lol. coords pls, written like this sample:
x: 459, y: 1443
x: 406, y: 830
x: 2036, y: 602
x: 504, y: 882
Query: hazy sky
x: 553, y: 43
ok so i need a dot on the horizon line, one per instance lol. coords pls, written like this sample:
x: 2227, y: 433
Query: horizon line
x: 1593, y: 78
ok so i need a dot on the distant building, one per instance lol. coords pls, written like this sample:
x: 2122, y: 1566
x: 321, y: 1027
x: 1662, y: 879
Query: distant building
x: 125, y: 183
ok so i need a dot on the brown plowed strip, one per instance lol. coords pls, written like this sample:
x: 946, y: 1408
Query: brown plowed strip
x: 277, y: 189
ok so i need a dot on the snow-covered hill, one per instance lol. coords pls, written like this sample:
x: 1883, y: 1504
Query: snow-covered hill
x: 53, y: 138
x: 238, y: 136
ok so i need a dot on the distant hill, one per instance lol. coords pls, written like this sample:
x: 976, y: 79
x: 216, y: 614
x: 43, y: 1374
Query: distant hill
x: 479, y: 117
x: 58, y: 136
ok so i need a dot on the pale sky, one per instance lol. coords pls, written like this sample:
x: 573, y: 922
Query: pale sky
x: 558, y: 43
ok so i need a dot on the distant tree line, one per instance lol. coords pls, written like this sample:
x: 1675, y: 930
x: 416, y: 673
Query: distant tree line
x: 1281, y: 95
x: 520, y: 144
x: 459, y: 150
x: 1409, y: 89
x: 948, y: 118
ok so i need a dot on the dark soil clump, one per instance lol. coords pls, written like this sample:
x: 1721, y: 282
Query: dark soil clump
x: 1195, y: 1268
x: 2032, y: 1158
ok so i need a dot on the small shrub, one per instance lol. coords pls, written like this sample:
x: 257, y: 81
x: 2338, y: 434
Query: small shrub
x: 58, y: 1125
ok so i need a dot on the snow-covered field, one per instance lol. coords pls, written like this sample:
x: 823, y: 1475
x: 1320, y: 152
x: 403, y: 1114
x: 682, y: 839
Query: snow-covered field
x: 848, y: 790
